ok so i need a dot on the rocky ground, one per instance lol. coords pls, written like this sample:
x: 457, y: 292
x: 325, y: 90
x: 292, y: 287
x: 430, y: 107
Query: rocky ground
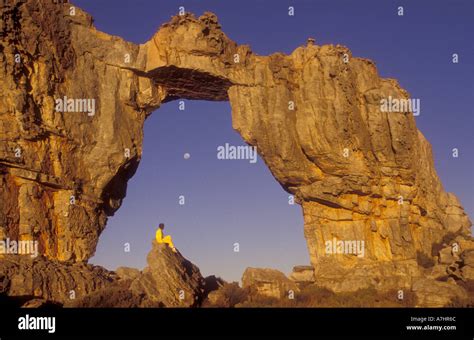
x: 169, y: 280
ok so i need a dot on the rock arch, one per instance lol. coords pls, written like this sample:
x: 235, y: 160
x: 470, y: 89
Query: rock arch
x: 346, y: 162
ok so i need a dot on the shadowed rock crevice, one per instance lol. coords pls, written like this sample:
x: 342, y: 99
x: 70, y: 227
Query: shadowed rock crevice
x: 115, y: 190
x: 190, y: 84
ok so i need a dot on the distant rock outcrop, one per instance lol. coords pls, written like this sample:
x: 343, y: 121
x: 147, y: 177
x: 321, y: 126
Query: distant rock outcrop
x: 360, y: 174
x: 268, y: 282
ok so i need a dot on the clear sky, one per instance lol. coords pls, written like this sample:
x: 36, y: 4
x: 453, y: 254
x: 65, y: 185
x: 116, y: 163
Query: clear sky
x: 235, y: 201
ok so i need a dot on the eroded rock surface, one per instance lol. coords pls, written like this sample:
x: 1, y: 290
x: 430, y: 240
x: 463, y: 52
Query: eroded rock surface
x: 302, y: 274
x: 268, y: 282
x: 62, y: 173
x: 359, y: 173
x: 169, y: 280
x: 50, y: 280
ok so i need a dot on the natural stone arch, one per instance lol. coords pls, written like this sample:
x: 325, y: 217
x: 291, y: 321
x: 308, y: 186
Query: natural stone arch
x: 336, y: 108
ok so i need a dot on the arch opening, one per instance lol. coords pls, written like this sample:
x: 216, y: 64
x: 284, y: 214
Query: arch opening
x: 235, y: 214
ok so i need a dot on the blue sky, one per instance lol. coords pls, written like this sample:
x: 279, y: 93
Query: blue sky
x: 235, y: 201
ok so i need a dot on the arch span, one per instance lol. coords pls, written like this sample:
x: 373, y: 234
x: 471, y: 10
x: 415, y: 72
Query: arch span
x: 314, y: 118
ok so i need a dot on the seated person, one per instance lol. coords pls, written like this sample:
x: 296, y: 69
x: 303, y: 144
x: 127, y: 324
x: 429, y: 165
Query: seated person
x: 160, y: 238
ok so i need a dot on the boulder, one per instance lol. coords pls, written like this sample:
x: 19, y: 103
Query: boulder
x: 268, y: 282
x: 302, y: 274
x: 228, y: 295
x: 212, y: 284
x: 36, y: 303
x: 127, y: 273
x: 170, y: 279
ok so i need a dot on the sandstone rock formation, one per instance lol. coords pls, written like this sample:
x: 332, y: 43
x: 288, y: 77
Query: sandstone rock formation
x: 52, y: 281
x: 302, y: 274
x: 61, y: 174
x: 227, y: 295
x: 358, y: 173
x: 169, y: 280
x: 431, y: 293
x: 268, y: 282
x: 127, y: 273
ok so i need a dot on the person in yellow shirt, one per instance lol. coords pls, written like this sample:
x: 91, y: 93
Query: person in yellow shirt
x: 160, y: 238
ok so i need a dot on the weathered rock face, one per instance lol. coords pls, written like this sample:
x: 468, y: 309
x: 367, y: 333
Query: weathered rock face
x: 62, y: 173
x: 268, y: 282
x: 53, y: 281
x: 431, y: 293
x: 302, y: 274
x: 169, y: 280
x: 127, y: 273
x: 360, y: 174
